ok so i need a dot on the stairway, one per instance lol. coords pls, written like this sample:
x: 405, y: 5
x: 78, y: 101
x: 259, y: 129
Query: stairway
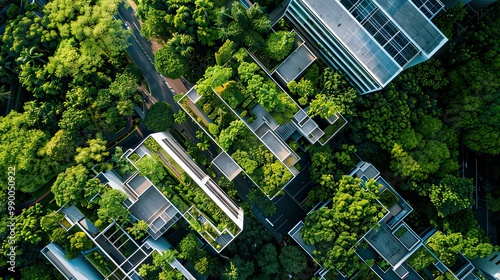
x: 285, y: 131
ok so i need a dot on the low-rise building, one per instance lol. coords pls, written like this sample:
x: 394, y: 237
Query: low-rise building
x: 146, y: 202
x: 389, y: 247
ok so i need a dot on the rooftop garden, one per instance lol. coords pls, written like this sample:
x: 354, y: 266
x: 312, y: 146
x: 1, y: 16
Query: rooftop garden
x: 336, y: 229
x: 278, y: 44
x: 388, y: 198
x: 204, y: 227
x: 101, y: 263
x: 422, y: 261
x: 248, y: 88
x: 183, y: 192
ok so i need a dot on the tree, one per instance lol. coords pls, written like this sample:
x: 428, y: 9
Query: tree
x: 267, y: 259
x: 229, y: 135
x: 163, y: 259
x: 204, y: 15
x: 238, y: 269
x: 206, y: 266
x: 22, y: 148
x: 138, y: 229
x: 421, y: 259
x: 169, y: 64
x: 61, y: 147
x: 267, y: 96
x: 77, y: 122
x: 493, y: 203
x: 293, y: 259
x: 322, y: 106
x: 304, y: 88
x: 452, y: 195
x: 335, y: 86
x: 148, y: 271
x: 28, y: 225
x: 472, y: 245
x: 472, y: 105
x: 160, y: 117
x: 244, y: 27
x: 152, y: 168
x: 280, y: 44
x: 51, y: 221
x: 33, y: 272
x: 336, y: 96
x: 462, y: 221
x: 225, y: 52
x: 188, y: 247
x: 276, y: 175
x: 180, y: 117
x: 69, y: 186
x: 244, y: 159
x: 335, y: 229
x: 93, y: 154
x: 80, y: 241
x: 124, y: 88
x: 155, y: 25
x: 111, y: 207
x: 214, y: 76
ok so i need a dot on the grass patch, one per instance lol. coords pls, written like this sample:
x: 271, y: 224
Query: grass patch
x: 400, y: 232
x: 332, y: 129
x: 174, y: 164
x: 134, y: 157
x: 101, y: 263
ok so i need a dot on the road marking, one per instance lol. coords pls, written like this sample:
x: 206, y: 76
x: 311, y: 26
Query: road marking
x: 282, y: 224
x: 304, y: 186
x: 269, y: 222
x: 278, y: 218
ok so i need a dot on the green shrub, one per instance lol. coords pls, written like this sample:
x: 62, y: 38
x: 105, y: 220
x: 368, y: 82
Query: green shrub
x: 280, y: 44
x: 213, y: 129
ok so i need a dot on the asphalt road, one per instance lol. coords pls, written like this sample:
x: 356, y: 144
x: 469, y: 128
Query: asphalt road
x: 289, y: 212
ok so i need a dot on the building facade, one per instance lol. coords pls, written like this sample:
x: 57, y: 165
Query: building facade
x: 371, y: 41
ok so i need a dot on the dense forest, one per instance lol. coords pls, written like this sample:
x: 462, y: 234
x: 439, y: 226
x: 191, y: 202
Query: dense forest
x: 69, y: 88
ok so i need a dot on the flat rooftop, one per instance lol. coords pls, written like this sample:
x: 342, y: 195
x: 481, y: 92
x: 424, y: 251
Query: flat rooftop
x: 150, y: 206
x: 385, y: 36
x: 355, y: 39
x: 276, y: 146
x: 227, y: 165
x: 386, y: 245
x: 295, y: 234
x: 295, y: 63
x: 73, y: 213
x: 139, y: 184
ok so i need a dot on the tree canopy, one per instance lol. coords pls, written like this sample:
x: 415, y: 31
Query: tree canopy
x: 452, y: 195
x: 111, y: 207
x: 293, y: 259
x: 74, y: 186
x: 160, y: 117
x: 472, y: 245
x: 334, y: 229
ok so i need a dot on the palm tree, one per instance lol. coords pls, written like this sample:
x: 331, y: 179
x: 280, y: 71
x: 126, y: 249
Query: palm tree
x: 181, y: 44
x: 4, y: 95
x: 30, y: 55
